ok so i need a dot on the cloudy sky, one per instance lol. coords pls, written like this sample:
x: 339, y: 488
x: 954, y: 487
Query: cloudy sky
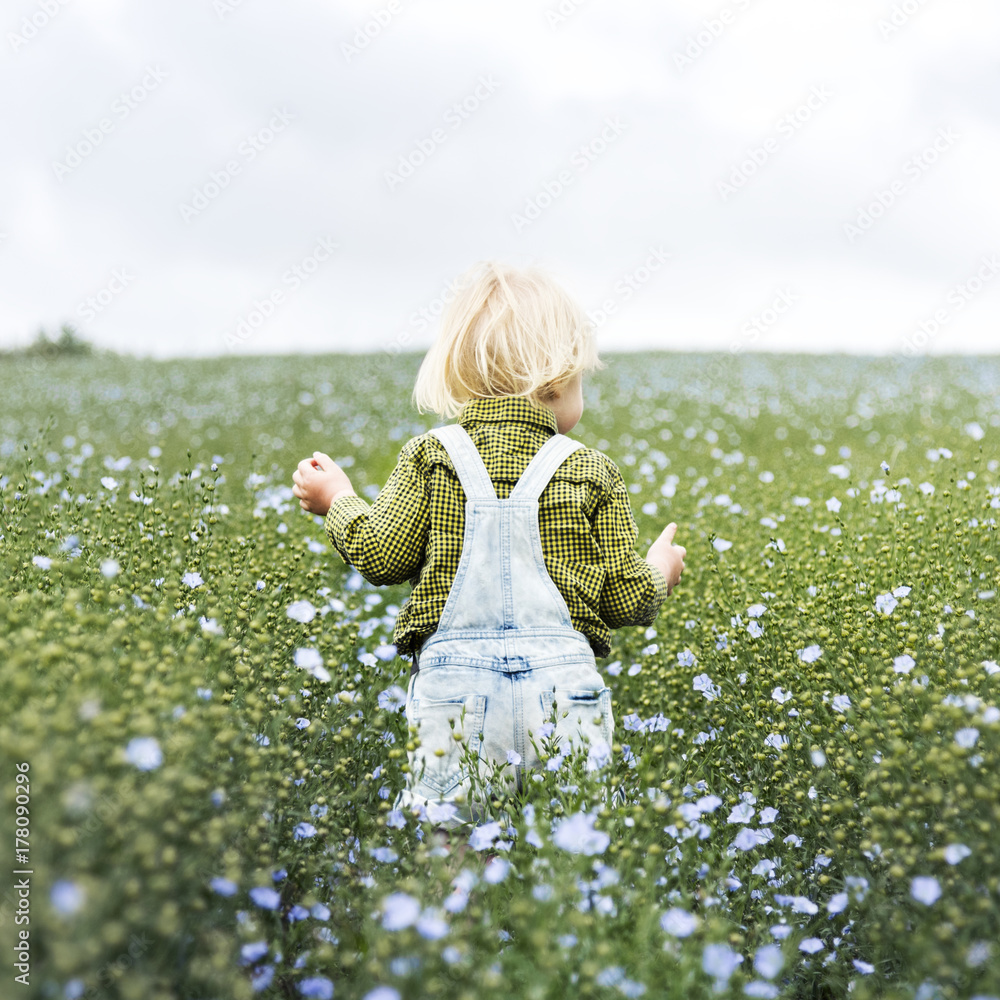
x: 244, y: 176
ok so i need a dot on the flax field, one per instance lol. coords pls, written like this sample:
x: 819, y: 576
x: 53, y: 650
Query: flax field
x: 201, y: 711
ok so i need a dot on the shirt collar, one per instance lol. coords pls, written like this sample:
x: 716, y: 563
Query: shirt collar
x: 508, y: 409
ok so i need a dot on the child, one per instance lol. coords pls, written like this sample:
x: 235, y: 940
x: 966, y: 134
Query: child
x: 518, y: 541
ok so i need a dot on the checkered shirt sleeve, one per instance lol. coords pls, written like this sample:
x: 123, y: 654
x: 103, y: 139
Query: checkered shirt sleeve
x: 633, y: 588
x: 413, y: 530
x: 385, y: 540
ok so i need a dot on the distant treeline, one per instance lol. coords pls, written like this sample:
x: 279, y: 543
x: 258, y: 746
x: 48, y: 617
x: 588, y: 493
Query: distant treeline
x: 68, y: 344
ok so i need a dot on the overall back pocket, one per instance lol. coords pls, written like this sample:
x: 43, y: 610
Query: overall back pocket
x: 582, y: 717
x: 445, y: 728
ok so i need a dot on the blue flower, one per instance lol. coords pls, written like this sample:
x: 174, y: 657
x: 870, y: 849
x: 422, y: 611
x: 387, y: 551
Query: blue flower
x: 311, y: 661
x: 262, y: 979
x: 657, y: 723
x: 392, y: 699
x: 301, y: 611
x: 67, y: 897
x: 703, y: 683
x: 431, y: 925
x: 482, y: 837
x: 577, y: 835
x: 720, y: 961
x: 885, y: 604
x: 303, y: 831
x: 316, y: 986
x: 496, y: 871
x: 599, y: 755
x: 399, y: 910
x: 769, y: 961
x: 265, y: 897
x: 678, y: 922
x: 223, y: 886
x: 144, y: 752
x: 925, y: 889
x: 251, y: 953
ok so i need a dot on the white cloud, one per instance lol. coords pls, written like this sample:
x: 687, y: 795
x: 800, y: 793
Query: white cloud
x: 656, y: 185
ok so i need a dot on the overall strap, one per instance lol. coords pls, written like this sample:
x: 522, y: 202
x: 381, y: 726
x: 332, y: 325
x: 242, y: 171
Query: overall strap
x: 547, y: 459
x: 468, y: 463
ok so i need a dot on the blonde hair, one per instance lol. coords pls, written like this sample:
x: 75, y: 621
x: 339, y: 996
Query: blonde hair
x: 508, y: 331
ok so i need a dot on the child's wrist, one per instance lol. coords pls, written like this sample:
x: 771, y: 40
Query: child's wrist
x: 347, y: 491
x: 657, y: 563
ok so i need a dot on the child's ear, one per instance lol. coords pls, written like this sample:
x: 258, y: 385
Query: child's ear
x: 550, y: 393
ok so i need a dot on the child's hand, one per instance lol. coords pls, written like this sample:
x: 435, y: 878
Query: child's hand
x: 318, y: 482
x: 667, y: 557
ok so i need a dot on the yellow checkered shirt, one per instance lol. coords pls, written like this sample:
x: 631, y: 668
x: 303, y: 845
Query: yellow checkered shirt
x: 413, y: 530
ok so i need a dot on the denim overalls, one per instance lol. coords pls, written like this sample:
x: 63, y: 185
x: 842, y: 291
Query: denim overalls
x: 505, y: 650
